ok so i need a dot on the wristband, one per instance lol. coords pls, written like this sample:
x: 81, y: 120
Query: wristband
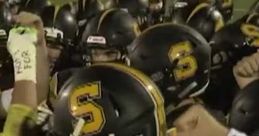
x: 234, y: 132
x: 21, y: 46
x: 16, y: 118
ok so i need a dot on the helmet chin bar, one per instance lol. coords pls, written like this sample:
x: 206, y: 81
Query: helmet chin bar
x: 202, y: 90
x: 53, y: 32
x: 78, y: 127
x: 2, y: 33
x: 187, y: 90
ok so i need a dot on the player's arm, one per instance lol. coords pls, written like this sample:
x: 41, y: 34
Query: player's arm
x: 247, y: 70
x: 23, y: 44
x: 196, y: 121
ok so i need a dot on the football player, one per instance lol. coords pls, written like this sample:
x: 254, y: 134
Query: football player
x: 107, y: 36
x: 176, y: 57
x: 59, y: 31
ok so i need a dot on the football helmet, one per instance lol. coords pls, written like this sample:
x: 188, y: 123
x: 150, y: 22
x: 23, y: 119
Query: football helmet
x: 109, y: 99
x: 88, y: 9
x: 226, y: 8
x: 140, y: 7
x: 183, y: 8
x: 176, y: 57
x: 206, y: 20
x: 113, y: 30
x: 59, y: 24
x: 229, y: 45
x: 146, y: 12
x: 34, y: 6
x: 244, y: 114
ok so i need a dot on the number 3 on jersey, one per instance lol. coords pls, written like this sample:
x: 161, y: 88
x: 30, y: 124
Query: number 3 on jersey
x: 83, y: 106
x: 186, y: 65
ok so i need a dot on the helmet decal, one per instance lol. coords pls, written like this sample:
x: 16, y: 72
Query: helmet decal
x: 91, y: 112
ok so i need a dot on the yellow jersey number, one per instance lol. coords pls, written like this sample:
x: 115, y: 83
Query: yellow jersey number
x: 83, y: 106
x: 187, y: 64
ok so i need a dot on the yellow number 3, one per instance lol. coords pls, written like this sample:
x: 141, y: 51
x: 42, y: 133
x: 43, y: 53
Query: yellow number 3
x: 186, y: 63
x: 83, y: 106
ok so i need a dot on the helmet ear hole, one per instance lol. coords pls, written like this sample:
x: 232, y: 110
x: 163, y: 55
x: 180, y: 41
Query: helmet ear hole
x: 115, y: 106
x: 243, y: 111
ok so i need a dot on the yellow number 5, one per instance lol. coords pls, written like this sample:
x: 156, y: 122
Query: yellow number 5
x: 82, y: 105
x: 187, y: 65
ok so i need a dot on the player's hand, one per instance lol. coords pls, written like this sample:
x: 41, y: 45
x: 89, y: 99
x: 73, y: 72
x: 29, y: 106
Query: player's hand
x: 247, y: 70
x: 43, y: 113
x: 196, y: 121
x: 32, y: 20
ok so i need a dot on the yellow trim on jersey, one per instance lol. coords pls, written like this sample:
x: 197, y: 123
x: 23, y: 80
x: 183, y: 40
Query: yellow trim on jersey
x: 152, y: 90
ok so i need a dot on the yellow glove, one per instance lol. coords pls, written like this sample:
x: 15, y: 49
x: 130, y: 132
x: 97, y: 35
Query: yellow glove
x: 17, y: 114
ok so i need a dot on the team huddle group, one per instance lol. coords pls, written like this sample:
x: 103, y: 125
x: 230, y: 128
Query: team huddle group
x: 128, y: 68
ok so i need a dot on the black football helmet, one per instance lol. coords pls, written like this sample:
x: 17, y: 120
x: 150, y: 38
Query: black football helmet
x: 139, y: 7
x: 116, y: 28
x: 60, y: 24
x: 176, y: 57
x: 206, y: 20
x: 109, y: 99
x: 238, y: 39
x: 244, y: 114
x: 229, y: 45
x: 226, y: 8
x: 146, y: 12
x: 182, y: 9
x: 88, y: 9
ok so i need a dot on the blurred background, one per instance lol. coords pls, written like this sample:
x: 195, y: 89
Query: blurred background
x: 241, y: 7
